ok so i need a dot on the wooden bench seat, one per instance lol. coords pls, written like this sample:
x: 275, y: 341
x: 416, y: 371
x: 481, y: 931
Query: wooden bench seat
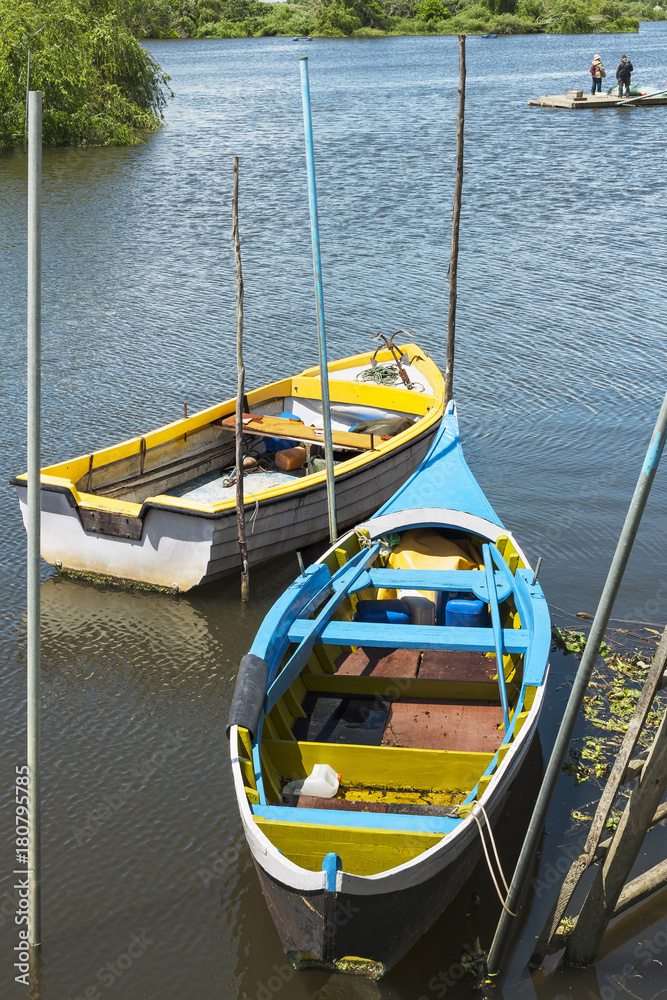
x: 281, y: 427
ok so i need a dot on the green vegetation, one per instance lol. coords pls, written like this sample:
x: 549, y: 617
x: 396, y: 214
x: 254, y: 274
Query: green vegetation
x: 612, y: 695
x: 375, y: 18
x: 99, y: 84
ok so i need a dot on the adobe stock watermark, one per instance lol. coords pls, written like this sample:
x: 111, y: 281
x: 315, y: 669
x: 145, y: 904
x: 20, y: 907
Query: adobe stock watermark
x: 111, y: 802
x: 590, y: 490
x: 222, y: 861
x: 344, y: 911
x: 553, y: 872
x: 111, y: 972
x: 646, y: 950
x: 440, y: 984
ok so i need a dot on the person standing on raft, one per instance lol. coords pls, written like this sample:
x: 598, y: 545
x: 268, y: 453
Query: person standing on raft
x: 623, y: 72
x: 597, y: 72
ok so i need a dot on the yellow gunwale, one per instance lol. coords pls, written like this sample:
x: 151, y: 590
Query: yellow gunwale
x: 64, y: 475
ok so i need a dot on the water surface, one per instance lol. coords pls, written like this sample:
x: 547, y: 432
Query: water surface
x: 559, y: 375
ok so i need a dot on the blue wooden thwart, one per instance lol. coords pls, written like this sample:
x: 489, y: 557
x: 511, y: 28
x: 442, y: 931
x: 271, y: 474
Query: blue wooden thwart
x: 378, y: 821
x: 515, y: 640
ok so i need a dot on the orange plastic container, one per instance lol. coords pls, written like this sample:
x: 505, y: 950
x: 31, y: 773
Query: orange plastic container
x: 290, y: 458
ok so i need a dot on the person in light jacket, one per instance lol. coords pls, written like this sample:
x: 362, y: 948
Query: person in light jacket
x: 597, y: 73
x: 623, y: 72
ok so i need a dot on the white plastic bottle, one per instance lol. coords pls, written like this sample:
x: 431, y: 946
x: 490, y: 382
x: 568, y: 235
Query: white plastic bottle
x: 322, y: 782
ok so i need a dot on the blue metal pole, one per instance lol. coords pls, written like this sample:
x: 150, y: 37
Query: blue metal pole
x: 498, y: 953
x: 319, y: 295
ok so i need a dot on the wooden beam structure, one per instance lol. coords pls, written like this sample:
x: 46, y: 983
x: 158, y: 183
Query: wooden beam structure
x: 292, y: 430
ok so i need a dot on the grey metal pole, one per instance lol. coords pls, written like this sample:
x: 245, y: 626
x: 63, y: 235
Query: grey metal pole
x: 240, y: 388
x: 497, y: 954
x: 319, y: 294
x: 27, y: 91
x: 34, y: 500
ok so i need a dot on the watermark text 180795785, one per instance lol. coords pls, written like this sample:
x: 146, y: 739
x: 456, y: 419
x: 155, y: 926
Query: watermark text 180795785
x: 21, y: 871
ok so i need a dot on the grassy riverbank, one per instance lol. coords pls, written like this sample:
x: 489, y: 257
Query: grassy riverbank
x: 371, y: 18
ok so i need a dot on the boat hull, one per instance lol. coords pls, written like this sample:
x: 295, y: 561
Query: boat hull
x: 179, y: 550
x: 378, y: 929
x: 369, y: 925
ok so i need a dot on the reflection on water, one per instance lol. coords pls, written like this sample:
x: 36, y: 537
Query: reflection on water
x: 559, y: 372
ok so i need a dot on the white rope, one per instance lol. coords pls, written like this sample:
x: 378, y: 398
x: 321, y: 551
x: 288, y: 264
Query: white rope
x: 486, y: 855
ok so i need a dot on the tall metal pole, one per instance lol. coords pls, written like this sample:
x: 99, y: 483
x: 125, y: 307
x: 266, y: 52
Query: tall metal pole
x: 497, y: 955
x: 34, y: 402
x: 27, y: 91
x: 456, y: 218
x: 240, y: 390
x: 319, y: 294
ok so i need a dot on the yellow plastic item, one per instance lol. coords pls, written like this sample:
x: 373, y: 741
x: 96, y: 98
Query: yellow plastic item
x: 290, y: 458
x: 425, y: 548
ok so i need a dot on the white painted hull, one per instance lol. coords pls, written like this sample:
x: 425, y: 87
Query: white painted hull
x: 181, y: 550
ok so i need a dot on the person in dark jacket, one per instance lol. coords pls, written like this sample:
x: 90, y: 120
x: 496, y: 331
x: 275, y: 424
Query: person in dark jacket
x: 623, y: 72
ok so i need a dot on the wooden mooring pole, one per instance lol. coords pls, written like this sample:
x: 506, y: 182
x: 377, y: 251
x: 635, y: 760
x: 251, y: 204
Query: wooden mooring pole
x: 240, y: 391
x: 456, y: 218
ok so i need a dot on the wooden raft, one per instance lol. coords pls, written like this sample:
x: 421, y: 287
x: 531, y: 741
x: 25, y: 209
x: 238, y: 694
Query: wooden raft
x: 595, y: 101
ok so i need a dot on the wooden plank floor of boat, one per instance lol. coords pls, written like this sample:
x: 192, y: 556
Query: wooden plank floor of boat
x: 418, y: 723
x: 430, y: 724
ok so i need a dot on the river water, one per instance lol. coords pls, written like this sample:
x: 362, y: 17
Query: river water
x: 559, y: 375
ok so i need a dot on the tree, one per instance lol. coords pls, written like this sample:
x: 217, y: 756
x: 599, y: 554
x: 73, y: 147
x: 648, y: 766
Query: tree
x: 431, y: 10
x: 99, y: 84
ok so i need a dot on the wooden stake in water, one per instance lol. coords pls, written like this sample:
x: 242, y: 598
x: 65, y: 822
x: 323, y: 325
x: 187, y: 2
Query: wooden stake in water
x: 456, y: 217
x: 33, y: 719
x: 240, y: 392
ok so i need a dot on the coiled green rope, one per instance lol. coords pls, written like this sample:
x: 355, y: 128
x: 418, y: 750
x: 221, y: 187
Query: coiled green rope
x: 386, y: 375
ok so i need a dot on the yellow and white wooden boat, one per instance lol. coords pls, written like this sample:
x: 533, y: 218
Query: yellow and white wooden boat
x: 160, y: 509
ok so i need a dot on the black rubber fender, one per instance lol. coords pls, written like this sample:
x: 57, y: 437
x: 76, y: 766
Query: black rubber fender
x: 249, y: 694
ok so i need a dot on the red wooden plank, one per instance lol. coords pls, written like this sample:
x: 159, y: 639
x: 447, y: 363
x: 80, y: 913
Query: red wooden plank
x: 378, y: 662
x: 457, y: 665
x: 453, y: 725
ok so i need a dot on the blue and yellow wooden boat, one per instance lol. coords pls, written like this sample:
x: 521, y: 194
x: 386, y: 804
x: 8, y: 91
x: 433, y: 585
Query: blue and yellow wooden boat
x: 381, y: 662
x: 160, y: 509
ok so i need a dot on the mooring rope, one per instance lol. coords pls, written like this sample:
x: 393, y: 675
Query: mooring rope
x: 486, y: 854
x: 386, y: 375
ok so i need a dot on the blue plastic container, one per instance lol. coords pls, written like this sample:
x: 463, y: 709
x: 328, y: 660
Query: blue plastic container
x: 467, y: 614
x: 442, y: 599
x: 279, y: 444
x: 384, y: 612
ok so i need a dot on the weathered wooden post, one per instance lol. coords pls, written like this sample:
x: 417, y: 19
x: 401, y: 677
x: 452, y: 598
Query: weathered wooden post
x: 456, y: 218
x: 612, y: 874
x: 240, y: 391
x: 623, y: 766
